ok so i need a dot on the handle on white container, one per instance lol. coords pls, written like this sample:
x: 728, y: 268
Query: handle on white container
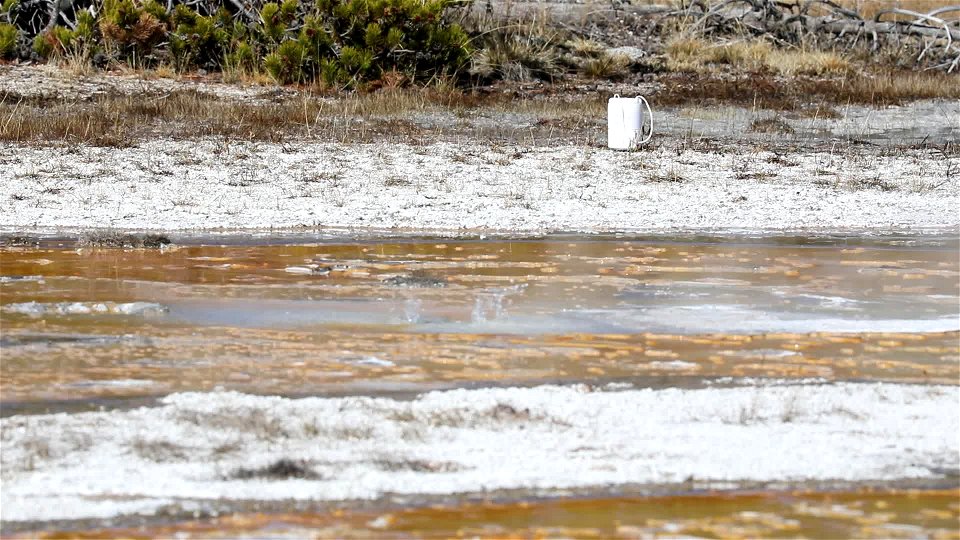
x: 650, y: 116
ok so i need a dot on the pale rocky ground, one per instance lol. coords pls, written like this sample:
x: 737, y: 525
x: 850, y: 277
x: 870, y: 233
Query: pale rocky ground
x: 48, y: 81
x: 198, y: 450
x: 177, y: 185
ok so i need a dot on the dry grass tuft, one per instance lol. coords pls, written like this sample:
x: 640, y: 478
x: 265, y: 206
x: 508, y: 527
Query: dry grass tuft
x: 686, y: 54
x: 582, y: 47
x: 807, y: 63
x: 606, y: 66
x: 751, y: 55
x: 524, y: 49
x: 806, y: 93
x: 75, y: 61
x: 234, y: 72
x: 699, y: 56
x: 900, y: 86
x: 773, y: 124
x: 515, y: 58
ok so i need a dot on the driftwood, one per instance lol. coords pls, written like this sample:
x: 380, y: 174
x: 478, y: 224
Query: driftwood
x: 564, y: 12
x: 937, y: 36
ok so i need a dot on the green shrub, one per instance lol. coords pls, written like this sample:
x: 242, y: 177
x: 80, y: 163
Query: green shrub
x: 42, y: 46
x: 275, y: 19
x: 341, y: 42
x: 6, y: 6
x: 198, y: 40
x: 7, y: 11
x: 356, y: 61
x: 157, y: 10
x: 409, y: 36
x: 348, y: 41
x: 59, y: 40
x: 332, y: 73
x: 286, y: 64
x: 8, y: 40
x: 134, y: 31
x: 316, y: 43
x: 85, y: 36
x: 241, y: 57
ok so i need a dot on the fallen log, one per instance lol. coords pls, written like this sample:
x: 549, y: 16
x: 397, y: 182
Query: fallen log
x: 796, y: 23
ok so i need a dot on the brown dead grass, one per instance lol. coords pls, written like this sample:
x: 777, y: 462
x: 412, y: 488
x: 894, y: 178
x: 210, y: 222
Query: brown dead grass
x: 766, y: 91
x: 606, y: 66
x: 700, y: 56
x: 773, y: 124
x: 440, y: 113
x: 119, y: 121
x: 901, y: 86
x: 123, y: 121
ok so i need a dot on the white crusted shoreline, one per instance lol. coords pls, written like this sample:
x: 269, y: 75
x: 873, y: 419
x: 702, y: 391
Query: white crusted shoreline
x: 204, y: 185
x: 193, y: 446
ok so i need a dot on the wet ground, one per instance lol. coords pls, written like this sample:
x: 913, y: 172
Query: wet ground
x: 860, y: 514
x: 88, y: 328
x: 360, y: 317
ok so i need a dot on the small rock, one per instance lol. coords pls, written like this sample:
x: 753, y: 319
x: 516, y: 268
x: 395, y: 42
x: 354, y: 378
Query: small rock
x: 634, y: 54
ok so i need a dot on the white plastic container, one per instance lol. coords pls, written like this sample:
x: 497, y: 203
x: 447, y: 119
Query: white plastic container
x: 625, y: 122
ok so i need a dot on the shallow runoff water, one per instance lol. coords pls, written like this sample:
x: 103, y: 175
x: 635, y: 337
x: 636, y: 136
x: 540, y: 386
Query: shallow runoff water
x: 101, y: 330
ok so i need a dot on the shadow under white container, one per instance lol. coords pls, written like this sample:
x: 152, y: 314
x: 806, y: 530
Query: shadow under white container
x: 625, y: 122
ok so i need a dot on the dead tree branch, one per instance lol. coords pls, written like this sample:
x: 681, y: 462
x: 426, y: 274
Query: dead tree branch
x: 820, y: 21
